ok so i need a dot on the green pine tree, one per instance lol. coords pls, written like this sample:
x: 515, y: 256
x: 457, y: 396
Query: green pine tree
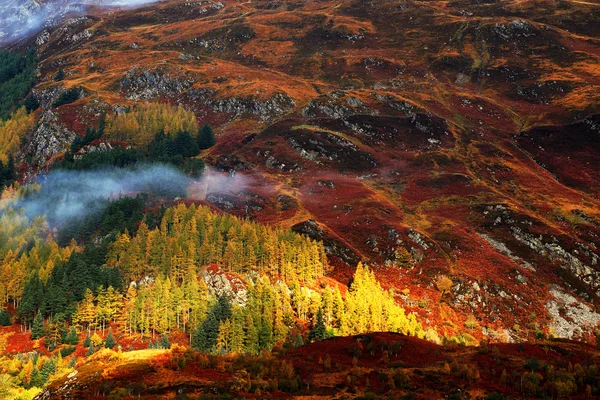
x: 206, y: 137
x: 318, y: 331
x: 5, y: 318
x: 37, y: 330
x: 90, y: 350
x: 36, y: 379
x: 165, y: 343
x: 110, y: 340
x: 87, y: 341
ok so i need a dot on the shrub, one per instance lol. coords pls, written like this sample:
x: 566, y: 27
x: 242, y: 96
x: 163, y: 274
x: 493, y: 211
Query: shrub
x: 69, y: 96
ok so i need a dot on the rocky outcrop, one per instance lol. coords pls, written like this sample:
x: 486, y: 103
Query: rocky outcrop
x: 279, y: 104
x: 587, y: 275
x: 220, y: 283
x: 571, y: 318
x: 49, y: 139
x: 149, y: 84
x: 336, y: 104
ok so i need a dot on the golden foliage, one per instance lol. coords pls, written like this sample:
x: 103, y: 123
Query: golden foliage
x: 145, y: 120
x: 12, y: 131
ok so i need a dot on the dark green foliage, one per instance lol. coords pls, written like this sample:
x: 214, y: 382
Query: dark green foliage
x: 31, y: 300
x: 319, y: 330
x: 90, y: 350
x: 72, y: 337
x: 165, y: 343
x: 110, y: 340
x: 60, y: 75
x: 193, y: 167
x: 5, y: 318
x: 31, y: 103
x: 67, y: 284
x: 163, y: 148
x: 186, y: 145
x: 17, y: 76
x: 206, y: 137
x: 49, y: 368
x: 205, y: 337
x: 36, y: 379
x: 68, y: 96
x: 37, y: 330
x: 67, y: 351
x: 532, y: 364
x: 7, y: 173
x: 116, y: 216
x: 87, y: 342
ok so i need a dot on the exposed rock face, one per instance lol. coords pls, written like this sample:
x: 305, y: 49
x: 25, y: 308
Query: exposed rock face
x: 571, y: 317
x: 94, y: 147
x: 47, y: 96
x: 336, y: 105
x: 278, y: 105
x: 555, y: 252
x: 148, y: 84
x: 49, y: 139
x: 219, y: 283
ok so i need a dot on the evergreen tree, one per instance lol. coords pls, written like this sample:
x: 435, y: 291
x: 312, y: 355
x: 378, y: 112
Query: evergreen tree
x: 90, y: 350
x: 36, y: 379
x: 110, y: 340
x: 37, y: 330
x: 72, y: 337
x: 165, y: 343
x: 87, y: 341
x: 319, y: 330
x: 5, y: 318
x: 60, y: 75
x: 206, y: 137
x: 186, y: 145
x: 31, y: 103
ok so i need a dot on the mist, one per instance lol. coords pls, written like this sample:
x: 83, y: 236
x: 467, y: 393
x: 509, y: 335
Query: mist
x: 22, y: 18
x: 66, y: 196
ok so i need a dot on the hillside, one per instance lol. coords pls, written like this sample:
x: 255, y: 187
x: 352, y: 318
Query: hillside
x: 462, y: 132
x: 366, y: 367
x: 425, y: 168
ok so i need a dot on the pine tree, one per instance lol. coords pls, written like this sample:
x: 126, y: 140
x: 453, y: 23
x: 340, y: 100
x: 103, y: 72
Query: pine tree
x: 72, y: 337
x: 165, y: 343
x: 5, y: 318
x: 36, y: 379
x: 319, y: 330
x: 87, y: 341
x: 37, y: 330
x: 186, y: 145
x: 110, y: 340
x: 90, y: 350
x: 206, y: 137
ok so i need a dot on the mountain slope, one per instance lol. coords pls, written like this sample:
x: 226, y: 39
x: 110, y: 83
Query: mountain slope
x: 429, y: 139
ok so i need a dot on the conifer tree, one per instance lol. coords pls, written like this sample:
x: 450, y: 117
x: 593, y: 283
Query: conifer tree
x: 318, y: 332
x: 165, y: 343
x: 110, y: 340
x: 36, y: 379
x: 37, y: 330
x: 5, y: 318
x: 206, y: 137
